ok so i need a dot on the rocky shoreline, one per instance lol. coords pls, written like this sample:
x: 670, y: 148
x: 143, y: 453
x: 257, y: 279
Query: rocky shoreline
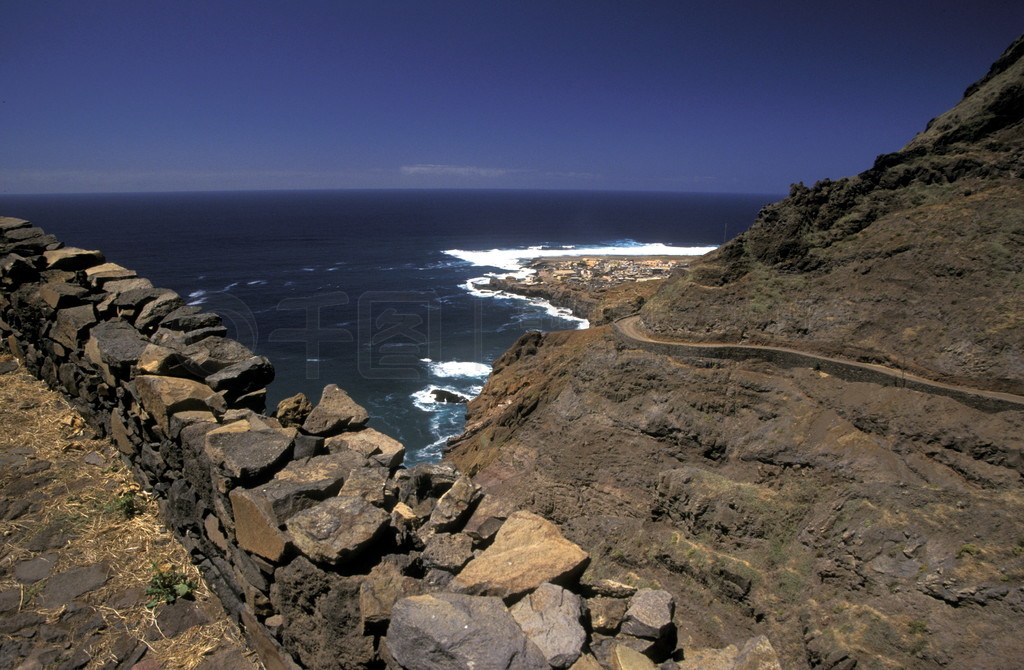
x: 599, y: 289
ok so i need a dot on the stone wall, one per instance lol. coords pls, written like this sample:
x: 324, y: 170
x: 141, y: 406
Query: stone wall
x: 325, y: 549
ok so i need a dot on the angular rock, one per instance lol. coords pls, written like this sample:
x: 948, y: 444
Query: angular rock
x: 157, y: 360
x: 528, y: 551
x: 447, y: 552
x: 35, y: 569
x: 164, y: 396
x: 454, y: 506
x: 114, y: 346
x: 293, y: 411
x: 335, y: 412
x: 256, y: 529
x: 71, y: 323
x: 405, y: 522
x: 550, y: 616
x: 244, y: 455
x: 302, y: 484
x: 336, y: 529
x: 156, y: 309
x: 607, y: 614
x: 487, y: 518
x: 98, y: 275
x: 448, y: 631
x: 15, y: 268
x: 189, y: 317
x: 371, y: 443
x: 243, y: 377
x: 72, y: 258
x: 586, y: 662
x: 368, y: 483
x: 384, y: 586
x: 650, y: 614
x: 118, y: 286
x: 211, y: 354
x: 59, y: 295
x: 9, y: 223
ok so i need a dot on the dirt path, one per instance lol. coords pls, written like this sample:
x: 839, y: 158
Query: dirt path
x: 630, y: 329
x: 87, y: 571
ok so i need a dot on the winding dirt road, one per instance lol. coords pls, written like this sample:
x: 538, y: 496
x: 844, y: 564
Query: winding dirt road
x: 629, y: 328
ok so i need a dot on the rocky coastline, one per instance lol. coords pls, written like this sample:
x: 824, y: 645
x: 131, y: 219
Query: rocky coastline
x: 324, y: 549
x: 600, y: 289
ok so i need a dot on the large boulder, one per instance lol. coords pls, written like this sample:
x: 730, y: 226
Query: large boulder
x: 448, y: 631
x: 337, y: 529
x: 384, y: 586
x: 335, y: 412
x: 551, y: 618
x: 252, y: 374
x: 528, y: 551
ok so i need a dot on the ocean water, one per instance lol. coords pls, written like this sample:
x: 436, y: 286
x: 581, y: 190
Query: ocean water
x: 373, y: 290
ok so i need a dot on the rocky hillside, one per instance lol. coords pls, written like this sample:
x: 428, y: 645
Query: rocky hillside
x: 915, y: 261
x: 856, y: 524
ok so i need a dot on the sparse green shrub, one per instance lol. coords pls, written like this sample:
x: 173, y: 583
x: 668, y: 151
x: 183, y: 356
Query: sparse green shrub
x: 968, y: 550
x: 167, y: 585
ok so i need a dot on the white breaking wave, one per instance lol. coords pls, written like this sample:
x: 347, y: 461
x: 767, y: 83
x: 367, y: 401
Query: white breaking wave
x: 513, y: 260
x: 458, y: 368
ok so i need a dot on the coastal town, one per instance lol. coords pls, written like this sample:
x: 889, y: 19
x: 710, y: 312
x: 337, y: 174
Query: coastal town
x: 601, y: 271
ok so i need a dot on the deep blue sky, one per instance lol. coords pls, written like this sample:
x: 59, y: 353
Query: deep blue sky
x: 111, y: 95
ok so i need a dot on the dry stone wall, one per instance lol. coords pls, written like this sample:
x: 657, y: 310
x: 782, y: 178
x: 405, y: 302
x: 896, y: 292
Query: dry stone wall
x: 327, y: 551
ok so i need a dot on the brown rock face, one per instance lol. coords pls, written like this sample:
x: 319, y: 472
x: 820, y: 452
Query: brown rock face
x: 528, y: 551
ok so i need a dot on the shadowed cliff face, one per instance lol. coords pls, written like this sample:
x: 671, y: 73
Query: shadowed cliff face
x: 848, y: 521
x: 916, y: 261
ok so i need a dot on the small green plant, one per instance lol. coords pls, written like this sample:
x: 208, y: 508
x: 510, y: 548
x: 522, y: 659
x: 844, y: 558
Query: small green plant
x: 125, y: 504
x: 167, y: 585
x: 968, y: 550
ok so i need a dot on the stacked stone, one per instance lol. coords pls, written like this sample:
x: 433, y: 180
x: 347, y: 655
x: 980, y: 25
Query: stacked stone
x: 328, y: 552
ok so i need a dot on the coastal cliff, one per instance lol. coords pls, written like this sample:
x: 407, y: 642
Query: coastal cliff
x: 856, y: 520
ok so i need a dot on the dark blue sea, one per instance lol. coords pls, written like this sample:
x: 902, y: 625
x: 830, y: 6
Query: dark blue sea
x: 372, y: 290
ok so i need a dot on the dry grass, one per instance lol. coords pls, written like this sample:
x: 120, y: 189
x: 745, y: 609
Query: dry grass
x: 81, y: 500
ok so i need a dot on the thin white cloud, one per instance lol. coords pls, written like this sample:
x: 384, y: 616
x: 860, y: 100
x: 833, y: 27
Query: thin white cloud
x: 455, y: 171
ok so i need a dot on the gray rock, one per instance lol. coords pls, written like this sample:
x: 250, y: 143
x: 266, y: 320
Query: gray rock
x: 246, y: 454
x: 335, y: 412
x: 62, y: 588
x: 70, y: 323
x: 157, y: 308
x: 32, y: 570
x: 650, y: 614
x: 550, y: 617
x: 336, y: 529
x: 243, y: 377
x: 59, y: 295
x: 448, y: 631
x: 115, y: 345
x: 447, y: 552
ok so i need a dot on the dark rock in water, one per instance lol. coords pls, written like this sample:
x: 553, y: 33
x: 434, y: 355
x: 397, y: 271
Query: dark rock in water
x: 441, y: 395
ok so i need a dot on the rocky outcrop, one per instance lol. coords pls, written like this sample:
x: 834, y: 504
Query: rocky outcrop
x: 325, y: 549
